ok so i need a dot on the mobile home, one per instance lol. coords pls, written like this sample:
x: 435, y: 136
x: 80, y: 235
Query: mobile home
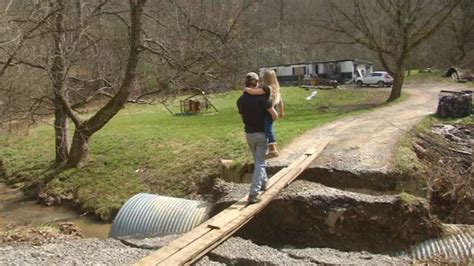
x: 344, y: 70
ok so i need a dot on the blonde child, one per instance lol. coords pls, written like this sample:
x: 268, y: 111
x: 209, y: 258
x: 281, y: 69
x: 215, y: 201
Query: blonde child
x: 270, y: 80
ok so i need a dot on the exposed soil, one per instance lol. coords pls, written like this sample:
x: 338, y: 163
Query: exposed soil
x: 308, y: 214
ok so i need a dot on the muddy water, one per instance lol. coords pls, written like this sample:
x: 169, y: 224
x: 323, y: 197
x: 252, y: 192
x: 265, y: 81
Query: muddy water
x: 16, y: 211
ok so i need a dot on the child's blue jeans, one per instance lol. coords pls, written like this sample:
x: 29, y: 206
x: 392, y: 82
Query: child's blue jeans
x: 269, y: 132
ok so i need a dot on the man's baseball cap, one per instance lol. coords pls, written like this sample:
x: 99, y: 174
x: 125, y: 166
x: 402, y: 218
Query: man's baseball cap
x: 252, y: 76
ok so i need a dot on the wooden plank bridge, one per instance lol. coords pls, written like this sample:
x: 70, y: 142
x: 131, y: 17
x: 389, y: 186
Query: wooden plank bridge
x: 193, y: 245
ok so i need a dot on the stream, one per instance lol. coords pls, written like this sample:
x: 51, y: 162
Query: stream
x: 17, y: 211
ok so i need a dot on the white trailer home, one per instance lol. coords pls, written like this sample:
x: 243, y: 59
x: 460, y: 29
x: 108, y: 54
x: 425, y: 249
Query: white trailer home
x: 343, y: 70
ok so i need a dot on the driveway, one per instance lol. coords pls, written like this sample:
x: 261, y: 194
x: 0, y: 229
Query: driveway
x: 366, y: 142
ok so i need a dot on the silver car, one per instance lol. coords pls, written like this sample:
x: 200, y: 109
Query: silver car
x: 379, y: 78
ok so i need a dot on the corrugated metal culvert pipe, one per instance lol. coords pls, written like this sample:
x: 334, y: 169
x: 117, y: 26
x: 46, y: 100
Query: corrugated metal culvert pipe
x: 458, y: 246
x: 147, y: 214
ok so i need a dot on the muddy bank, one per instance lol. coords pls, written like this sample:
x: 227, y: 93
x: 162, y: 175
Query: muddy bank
x: 307, y: 214
x: 20, y: 214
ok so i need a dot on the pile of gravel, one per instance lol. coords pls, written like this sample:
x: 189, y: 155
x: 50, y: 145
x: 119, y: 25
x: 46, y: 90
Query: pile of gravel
x: 328, y: 256
x: 239, y: 251
x: 234, y: 251
x: 73, y: 252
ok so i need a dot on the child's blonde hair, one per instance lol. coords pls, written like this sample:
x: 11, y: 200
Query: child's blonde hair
x: 270, y: 78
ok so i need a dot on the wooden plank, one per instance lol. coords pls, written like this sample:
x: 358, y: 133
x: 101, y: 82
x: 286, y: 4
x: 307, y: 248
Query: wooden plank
x: 174, y: 246
x: 217, y: 243
x: 221, y: 220
x: 181, y: 242
x: 192, y: 245
x: 266, y: 198
x: 219, y: 223
x: 192, y: 251
x: 318, y: 149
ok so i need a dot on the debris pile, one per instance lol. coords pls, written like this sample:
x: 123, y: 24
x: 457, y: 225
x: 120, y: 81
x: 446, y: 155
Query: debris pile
x: 449, y: 171
x: 456, y: 134
x: 40, y: 235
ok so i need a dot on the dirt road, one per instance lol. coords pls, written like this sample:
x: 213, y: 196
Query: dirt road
x: 365, y: 143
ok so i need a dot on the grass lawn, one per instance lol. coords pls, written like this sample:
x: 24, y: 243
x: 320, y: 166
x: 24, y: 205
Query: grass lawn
x: 434, y: 76
x: 144, y: 148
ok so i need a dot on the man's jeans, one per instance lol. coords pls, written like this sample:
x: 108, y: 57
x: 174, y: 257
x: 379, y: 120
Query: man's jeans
x: 258, y: 146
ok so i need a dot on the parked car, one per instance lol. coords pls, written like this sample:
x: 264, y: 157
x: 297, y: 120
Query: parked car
x: 379, y: 78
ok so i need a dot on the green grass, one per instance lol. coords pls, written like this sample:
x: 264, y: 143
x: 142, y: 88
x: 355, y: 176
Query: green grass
x: 144, y: 148
x: 435, y: 76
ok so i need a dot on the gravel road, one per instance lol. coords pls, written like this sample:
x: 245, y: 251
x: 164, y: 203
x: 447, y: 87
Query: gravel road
x: 70, y: 251
x: 365, y: 143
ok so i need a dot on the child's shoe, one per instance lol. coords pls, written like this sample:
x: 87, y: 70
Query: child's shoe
x: 272, y: 151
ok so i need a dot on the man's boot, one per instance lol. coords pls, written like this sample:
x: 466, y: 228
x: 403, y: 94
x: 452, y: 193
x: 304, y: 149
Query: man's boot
x: 272, y: 151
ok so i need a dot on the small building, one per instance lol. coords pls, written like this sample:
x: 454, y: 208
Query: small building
x: 343, y: 70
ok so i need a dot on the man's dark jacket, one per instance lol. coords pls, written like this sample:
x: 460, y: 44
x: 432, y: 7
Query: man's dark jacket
x: 253, y: 109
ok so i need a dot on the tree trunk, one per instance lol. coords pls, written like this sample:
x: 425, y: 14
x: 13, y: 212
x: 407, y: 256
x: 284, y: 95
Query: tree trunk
x: 84, y: 130
x: 61, y: 133
x: 398, y: 79
x: 58, y: 73
x: 79, y: 149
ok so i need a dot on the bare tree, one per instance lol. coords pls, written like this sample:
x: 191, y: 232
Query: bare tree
x: 462, y: 30
x: 67, y: 45
x: 86, y: 128
x: 188, y: 46
x: 200, y: 48
x: 390, y: 28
